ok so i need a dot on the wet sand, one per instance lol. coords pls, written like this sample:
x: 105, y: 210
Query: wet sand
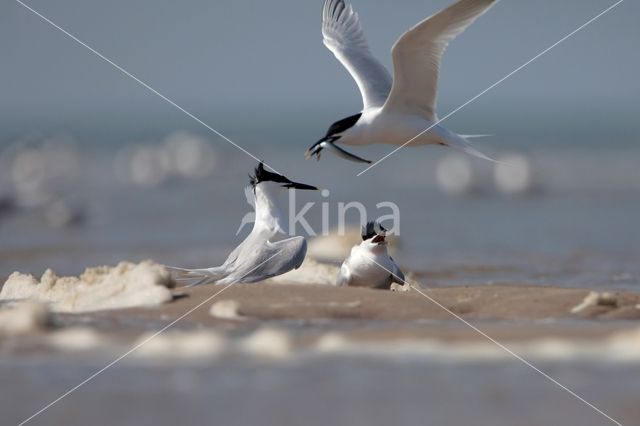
x: 529, y: 309
x: 316, y: 354
x: 307, y: 312
x: 498, y: 302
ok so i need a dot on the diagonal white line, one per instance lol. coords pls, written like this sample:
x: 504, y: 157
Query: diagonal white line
x: 136, y: 347
x: 501, y: 346
x: 518, y: 357
x: 492, y: 86
x: 142, y: 83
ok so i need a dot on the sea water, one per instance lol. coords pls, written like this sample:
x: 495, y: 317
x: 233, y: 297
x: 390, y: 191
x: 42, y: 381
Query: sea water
x: 575, y: 222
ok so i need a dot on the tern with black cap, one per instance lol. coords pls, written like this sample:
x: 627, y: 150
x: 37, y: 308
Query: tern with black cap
x: 401, y: 110
x: 261, y: 255
x: 369, y: 264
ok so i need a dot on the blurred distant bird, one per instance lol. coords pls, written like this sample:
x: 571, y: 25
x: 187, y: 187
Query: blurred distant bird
x: 258, y: 257
x: 369, y: 264
x: 400, y: 110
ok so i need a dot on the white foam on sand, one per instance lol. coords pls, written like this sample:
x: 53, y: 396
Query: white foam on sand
x: 126, y: 285
x: 196, y: 345
x: 226, y: 309
x: 595, y: 299
x: 77, y: 339
x: 620, y: 347
x: 267, y: 343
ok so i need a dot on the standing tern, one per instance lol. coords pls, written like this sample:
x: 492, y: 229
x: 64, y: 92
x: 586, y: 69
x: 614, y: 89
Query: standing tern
x: 400, y: 110
x: 258, y: 257
x: 369, y: 263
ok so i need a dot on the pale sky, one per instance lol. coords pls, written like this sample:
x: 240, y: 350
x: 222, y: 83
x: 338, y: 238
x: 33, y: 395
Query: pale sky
x: 221, y: 58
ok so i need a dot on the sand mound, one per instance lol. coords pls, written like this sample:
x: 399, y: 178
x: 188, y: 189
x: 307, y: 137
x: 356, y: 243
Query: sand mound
x: 336, y: 246
x: 595, y: 299
x: 310, y: 272
x: 226, y: 309
x: 621, y: 347
x: 24, y: 317
x: 123, y: 286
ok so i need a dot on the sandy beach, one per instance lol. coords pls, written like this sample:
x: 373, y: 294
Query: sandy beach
x: 126, y: 300
x: 335, y: 341
x: 512, y: 312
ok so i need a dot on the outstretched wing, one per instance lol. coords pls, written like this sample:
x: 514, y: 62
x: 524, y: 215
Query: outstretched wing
x: 344, y: 37
x: 417, y: 55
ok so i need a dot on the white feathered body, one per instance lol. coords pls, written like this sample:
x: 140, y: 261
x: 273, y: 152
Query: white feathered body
x: 398, y: 110
x: 369, y: 266
x: 261, y: 255
x: 378, y: 126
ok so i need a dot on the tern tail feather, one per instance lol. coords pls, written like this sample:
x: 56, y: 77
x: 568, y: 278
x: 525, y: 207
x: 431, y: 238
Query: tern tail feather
x: 461, y: 143
x: 196, y: 277
x: 475, y: 136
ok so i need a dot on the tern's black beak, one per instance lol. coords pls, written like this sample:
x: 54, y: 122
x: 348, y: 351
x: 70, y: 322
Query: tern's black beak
x: 317, y: 147
x: 296, y: 185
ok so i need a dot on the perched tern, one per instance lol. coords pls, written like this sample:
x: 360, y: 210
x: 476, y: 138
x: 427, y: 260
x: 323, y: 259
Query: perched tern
x: 369, y: 263
x: 400, y: 110
x: 258, y: 257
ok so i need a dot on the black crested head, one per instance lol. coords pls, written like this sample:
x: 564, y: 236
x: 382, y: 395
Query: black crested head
x: 336, y: 132
x: 342, y: 125
x: 368, y: 231
x: 371, y: 229
x: 260, y: 174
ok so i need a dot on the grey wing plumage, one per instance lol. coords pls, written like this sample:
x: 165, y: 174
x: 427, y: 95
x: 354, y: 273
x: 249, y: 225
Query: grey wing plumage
x: 397, y: 276
x: 418, y: 52
x: 274, y: 259
x: 253, y: 260
x: 343, y: 35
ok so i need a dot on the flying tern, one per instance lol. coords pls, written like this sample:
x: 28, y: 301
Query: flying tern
x: 395, y: 111
x: 260, y: 255
x: 369, y: 264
